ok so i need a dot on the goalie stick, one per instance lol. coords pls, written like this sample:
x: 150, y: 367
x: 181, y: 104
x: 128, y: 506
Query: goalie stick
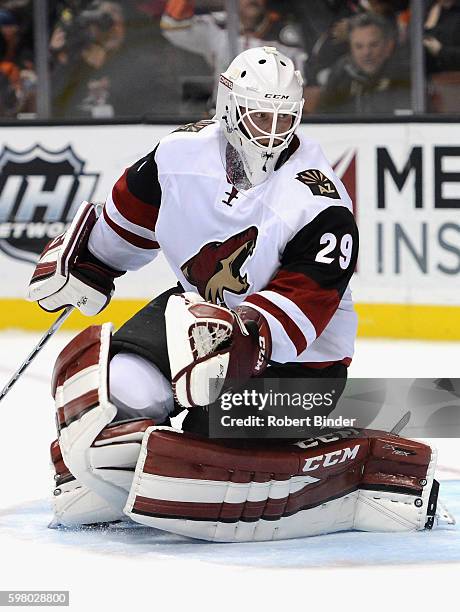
x: 401, y: 423
x: 41, y: 343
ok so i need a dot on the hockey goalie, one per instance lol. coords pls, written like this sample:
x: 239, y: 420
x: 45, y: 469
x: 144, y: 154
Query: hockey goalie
x: 261, y: 236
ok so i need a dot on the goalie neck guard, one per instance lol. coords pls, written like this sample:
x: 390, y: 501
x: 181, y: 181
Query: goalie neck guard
x: 258, y: 81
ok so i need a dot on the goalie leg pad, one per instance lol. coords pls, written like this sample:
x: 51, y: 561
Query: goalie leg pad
x: 80, y: 388
x: 114, y: 454
x: 74, y: 503
x: 382, y: 504
x: 209, y: 490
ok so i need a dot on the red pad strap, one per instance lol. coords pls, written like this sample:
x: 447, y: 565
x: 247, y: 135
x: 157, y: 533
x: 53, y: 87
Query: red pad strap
x: 63, y: 473
x: 117, y: 430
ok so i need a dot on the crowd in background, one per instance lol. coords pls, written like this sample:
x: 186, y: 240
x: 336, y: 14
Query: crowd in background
x: 18, y: 81
x: 161, y: 58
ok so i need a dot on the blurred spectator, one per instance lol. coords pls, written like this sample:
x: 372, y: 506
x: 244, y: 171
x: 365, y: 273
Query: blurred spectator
x: 17, y: 66
x: 442, y: 36
x: 9, y: 28
x: 205, y: 34
x: 369, y: 79
x: 312, y: 18
x: 332, y: 43
x: 28, y: 78
x: 9, y: 82
x: 442, y: 46
x: 84, y: 45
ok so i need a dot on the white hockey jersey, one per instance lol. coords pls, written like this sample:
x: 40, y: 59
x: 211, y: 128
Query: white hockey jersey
x: 287, y: 247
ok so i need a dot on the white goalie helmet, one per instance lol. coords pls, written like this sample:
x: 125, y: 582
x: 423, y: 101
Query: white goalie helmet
x: 259, y: 82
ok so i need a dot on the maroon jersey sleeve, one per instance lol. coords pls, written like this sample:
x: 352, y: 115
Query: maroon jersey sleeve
x: 124, y: 235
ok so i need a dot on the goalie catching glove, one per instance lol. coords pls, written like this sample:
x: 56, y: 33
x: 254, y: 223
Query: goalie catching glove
x: 209, y: 345
x: 67, y: 274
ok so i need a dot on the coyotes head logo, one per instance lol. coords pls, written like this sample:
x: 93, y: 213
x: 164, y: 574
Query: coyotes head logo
x: 217, y: 266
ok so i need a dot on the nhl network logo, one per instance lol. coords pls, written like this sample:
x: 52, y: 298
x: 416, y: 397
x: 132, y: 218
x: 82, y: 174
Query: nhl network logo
x: 40, y: 191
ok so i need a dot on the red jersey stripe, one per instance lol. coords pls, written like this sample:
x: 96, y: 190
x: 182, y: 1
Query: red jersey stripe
x: 291, y: 328
x: 317, y: 303
x: 134, y: 239
x: 131, y: 208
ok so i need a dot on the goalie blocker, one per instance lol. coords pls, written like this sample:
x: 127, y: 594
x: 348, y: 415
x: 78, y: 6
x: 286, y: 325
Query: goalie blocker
x: 67, y: 274
x: 186, y: 484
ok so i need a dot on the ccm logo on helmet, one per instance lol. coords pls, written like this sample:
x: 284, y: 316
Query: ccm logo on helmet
x: 277, y: 96
x: 338, y: 456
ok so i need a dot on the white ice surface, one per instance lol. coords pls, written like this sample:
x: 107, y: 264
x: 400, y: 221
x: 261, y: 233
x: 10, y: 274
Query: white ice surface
x: 126, y: 568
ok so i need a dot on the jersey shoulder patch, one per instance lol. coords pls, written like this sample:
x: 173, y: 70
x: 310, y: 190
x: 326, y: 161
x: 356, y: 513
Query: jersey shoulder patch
x: 318, y: 183
x: 195, y: 127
